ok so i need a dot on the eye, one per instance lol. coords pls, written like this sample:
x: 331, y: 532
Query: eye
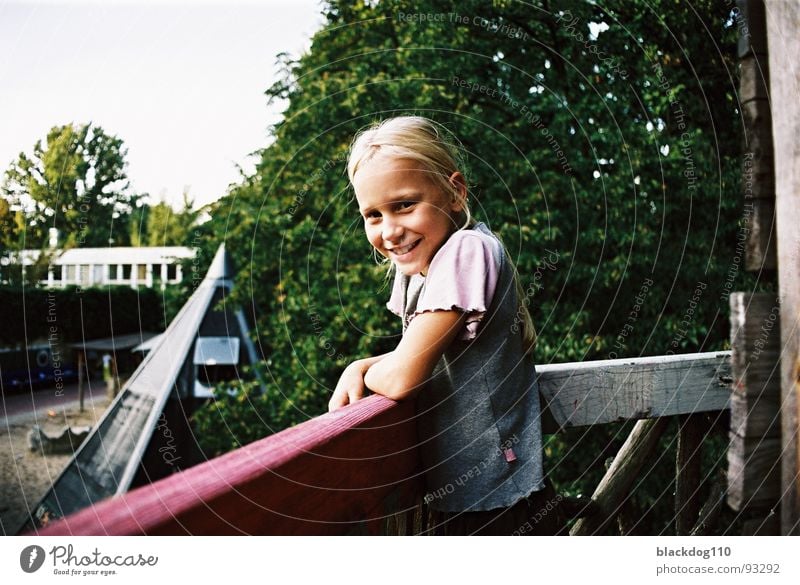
x: 406, y: 205
x: 373, y: 215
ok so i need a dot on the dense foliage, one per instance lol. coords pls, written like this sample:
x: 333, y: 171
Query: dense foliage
x: 161, y: 225
x: 72, y: 314
x: 601, y: 142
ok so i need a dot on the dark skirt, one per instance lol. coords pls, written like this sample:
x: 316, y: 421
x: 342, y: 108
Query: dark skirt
x: 540, y: 514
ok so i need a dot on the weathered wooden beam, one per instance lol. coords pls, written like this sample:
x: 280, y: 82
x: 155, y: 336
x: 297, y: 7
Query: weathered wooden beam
x: 758, y: 129
x: 581, y: 394
x: 751, y: 21
x: 757, y: 170
x: 82, y: 365
x: 753, y: 472
x: 753, y: 79
x: 759, y: 253
x: 783, y: 24
x: 615, y: 486
x: 755, y: 339
x: 691, y: 432
x: 713, y: 506
x: 578, y: 507
x: 767, y: 525
x: 758, y: 178
x: 754, y: 452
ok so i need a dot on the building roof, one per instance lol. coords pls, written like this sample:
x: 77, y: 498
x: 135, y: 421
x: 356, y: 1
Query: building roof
x: 116, y: 343
x: 114, y: 255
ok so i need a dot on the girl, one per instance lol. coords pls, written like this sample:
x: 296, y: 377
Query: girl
x: 466, y: 336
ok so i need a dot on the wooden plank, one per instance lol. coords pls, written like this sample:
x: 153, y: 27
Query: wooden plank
x: 755, y: 339
x: 749, y: 17
x: 755, y: 405
x: 616, y: 484
x: 753, y: 78
x: 757, y: 118
x: 766, y: 525
x: 82, y: 364
x: 754, y: 467
x: 760, y: 250
x: 329, y: 475
x: 758, y: 177
x: 759, y: 195
x: 581, y: 394
x: 756, y: 416
x: 691, y: 432
x: 713, y: 507
x: 783, y: 26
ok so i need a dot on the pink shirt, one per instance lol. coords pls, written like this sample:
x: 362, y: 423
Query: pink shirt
x: 462, y: 277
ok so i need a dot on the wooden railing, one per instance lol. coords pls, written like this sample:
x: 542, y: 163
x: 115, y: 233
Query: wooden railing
x: 357, y: 470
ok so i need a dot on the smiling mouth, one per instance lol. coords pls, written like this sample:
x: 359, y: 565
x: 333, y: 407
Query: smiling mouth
x: 404, y: 250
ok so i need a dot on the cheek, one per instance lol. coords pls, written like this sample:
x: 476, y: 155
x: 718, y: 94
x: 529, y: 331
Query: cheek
x: 373, y: 236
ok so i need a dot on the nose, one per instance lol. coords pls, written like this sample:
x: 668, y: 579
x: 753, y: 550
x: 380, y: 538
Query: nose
x: 392, y: 230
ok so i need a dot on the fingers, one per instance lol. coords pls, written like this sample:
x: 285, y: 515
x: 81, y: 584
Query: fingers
x: 343, y: 398
x: 350, y: 389
x: 337, y: 401
x: 355, y: 393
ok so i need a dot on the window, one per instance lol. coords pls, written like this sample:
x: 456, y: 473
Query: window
x: 141, y: 272
x: 172, y: 272
x: 71, y: 272
x: 56, y: 273
x: 112, y: 272
x: 83, y: 277
x: 126, y: 272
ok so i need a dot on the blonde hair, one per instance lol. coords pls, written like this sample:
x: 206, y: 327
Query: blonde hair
x: 414, y: 138
x: 425, y: 142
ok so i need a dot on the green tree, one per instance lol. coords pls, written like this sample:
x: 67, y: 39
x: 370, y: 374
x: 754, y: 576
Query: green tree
x: 10, y: 227
x: 76, y: 182
x: 12, y: 224
x: 137, y: 222
x: 167, y: 227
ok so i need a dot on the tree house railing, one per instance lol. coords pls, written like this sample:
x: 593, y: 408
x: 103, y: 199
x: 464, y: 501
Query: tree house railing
x: 357, y: 471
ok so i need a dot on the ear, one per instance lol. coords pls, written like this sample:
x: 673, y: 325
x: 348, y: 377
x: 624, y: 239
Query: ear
x: 460, y: 185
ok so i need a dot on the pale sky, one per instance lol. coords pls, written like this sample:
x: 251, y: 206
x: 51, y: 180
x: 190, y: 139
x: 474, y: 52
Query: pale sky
x: 180, y: 82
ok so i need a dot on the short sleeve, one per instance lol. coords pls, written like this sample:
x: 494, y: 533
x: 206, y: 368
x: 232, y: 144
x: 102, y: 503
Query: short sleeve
x: 463, y: 276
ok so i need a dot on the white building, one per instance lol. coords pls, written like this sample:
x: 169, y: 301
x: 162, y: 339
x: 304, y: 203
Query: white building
x: 131, y: 266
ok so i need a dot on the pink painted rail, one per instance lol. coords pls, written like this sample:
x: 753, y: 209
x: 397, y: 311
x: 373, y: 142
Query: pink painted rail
x: 343, y: 472
x: 352, y: 470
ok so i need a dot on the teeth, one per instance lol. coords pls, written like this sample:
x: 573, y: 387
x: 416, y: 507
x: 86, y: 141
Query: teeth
x: 404, y: 249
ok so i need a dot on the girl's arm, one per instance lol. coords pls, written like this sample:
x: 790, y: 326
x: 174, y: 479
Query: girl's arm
x: 402, y: 373
x: 351, y: 383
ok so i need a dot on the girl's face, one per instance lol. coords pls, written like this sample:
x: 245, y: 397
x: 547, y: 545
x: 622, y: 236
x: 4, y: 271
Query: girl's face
x: 407, y: 216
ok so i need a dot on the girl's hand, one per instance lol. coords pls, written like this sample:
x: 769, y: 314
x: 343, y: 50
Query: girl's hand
x: 350, y: 387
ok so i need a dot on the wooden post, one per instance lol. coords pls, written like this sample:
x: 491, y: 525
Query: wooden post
x: 783, y: 35
x: 758, y: 181
x: 688, y: 472
x: 111, y: 381
x: 81, y: 361
x: 755, y: 449
x: 713, y: 506
x: 615, y: 485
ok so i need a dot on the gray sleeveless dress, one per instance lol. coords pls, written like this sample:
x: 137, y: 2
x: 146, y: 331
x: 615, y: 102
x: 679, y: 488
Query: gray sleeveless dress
x: 478, y: 415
